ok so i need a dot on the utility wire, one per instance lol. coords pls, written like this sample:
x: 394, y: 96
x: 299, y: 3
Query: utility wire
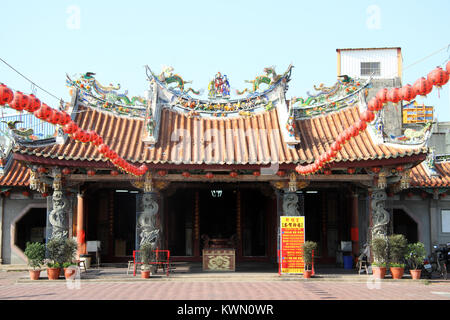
x: 33, y: 83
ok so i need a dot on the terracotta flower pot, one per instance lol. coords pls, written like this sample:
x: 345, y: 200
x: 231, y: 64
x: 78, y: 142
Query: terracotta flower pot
x: 145, y: 274
x: 68, y: 272
x: 53, y: 273
x: 397, y: 272
x: 415, y: 274
x: 379, y: 272
x: 34, y: 274
x: 307, y: 274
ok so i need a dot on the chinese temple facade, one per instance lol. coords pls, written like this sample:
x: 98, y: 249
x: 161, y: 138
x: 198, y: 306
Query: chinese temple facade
x: 219, y: 171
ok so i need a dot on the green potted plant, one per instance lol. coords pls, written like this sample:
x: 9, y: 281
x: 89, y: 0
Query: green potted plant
x: 379, y: 251
x: 146, y: 256
x: 397, y: 250
x: 415, y: 254
x: 56, y: 257
x: 35, y: 253
x: 70, y: 250
x: 308, y: 248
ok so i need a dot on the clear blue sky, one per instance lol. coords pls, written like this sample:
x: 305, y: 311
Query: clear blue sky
x: 115, y: 39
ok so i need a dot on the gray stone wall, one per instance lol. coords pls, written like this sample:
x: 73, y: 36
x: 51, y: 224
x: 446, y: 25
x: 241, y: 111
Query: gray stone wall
x: 12, y: 210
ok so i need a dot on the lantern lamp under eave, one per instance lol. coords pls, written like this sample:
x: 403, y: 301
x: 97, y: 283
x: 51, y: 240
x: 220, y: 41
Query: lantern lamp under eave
x: 91, y: 172
x: 422, y: 86
x: 209, y: 175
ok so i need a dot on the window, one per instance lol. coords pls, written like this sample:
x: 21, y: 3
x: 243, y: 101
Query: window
x: 445, y: 214
x: 369, y: 68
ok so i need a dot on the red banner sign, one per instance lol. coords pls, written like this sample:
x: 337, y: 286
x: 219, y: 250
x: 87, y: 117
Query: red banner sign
x: 292, y: 238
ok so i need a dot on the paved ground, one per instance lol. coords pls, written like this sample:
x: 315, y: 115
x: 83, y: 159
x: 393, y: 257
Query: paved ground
x: 115, y: 284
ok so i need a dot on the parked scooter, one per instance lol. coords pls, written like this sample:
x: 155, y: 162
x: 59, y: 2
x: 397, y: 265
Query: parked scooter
x: 438, y: 262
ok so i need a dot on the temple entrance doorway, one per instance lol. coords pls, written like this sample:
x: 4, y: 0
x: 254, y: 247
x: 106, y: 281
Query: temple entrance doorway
x: 239, y: 216
x: 404, y: 224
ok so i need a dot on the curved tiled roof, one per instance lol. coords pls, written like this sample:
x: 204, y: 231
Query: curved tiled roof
x: 16, y: 175
x: 421, y: 178
x: 239, y: 141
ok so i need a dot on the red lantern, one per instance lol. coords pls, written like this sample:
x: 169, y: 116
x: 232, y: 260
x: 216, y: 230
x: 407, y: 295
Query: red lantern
x: 382, y: 96
x: 66, y: 171
x: 367, y: 116
x: 98, y: 141
x: 6, y: 95
x: 209, y: 175
x: 20, y: 101
x: 46, y: 111
x: 55, y: 117
x: 42, y: 170
x: 93, y: 136
x: 354, y: 130
x: 361, y: 125
x: 422, y: 87
x: 399, y: 168
x: 408, y: 93
x: 351, y: 170
x: 424, y: 195
x: 162, y: 173
x: 45, y: 194
x: 438, y: 77
x: 70, y: 128
x: 327, y: 171
x: 443, y: 195
x: 65, y: 118
x: 281, y: 173
x: 410, y: 194
x: 233, y: 174
x: 394, y: 95
x: 376, y: 169
x: 103, y: 148
x: 91, y: 172
x: 34, y: 104
x: 26, y: 193
x: 374, y: 104
x: 256, y: 173
x: 186, y: 174
x: 114, y: 173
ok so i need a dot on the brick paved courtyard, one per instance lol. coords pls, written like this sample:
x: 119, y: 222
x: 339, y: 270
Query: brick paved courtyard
x: 15, y: 286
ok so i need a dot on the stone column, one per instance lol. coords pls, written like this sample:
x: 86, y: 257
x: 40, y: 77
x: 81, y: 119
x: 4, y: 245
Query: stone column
x: 147, y: 228
x: 291, y: 204
x: 380, y: 216
x: 58, y: 208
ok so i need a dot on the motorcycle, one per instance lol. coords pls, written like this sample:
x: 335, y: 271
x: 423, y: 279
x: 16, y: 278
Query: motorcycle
x: 438, y: 262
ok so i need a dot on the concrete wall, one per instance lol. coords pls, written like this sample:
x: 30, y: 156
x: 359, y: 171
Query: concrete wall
x: 388, y: 58
x: 427, y: 214
x: 13, y: 210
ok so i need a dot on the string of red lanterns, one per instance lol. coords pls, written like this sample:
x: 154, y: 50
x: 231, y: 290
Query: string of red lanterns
x: 20, y: 102
x: 423, y: 86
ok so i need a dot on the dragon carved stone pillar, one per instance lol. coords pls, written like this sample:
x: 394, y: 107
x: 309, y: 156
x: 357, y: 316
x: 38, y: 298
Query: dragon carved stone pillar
x: 380, y: 216
x: 292, y: 204
x: 58, y: 210
x: 147, y: 226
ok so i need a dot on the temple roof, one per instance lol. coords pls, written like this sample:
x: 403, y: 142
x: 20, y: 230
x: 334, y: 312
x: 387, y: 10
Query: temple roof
x: 439, y: 177
x: 255, y: 139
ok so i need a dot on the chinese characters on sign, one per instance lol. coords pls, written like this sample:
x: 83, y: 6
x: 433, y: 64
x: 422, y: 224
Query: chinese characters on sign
x: 292, y: 237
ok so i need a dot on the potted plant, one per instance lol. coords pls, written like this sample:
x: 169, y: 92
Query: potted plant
x: 70, y: 249
x: 35, y: 253
x: 56, y: 257
x: 379, y: 251
x: 146, y: 256
x: 397, y: 251
x: 308, y: 248
x: 415, y: 254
